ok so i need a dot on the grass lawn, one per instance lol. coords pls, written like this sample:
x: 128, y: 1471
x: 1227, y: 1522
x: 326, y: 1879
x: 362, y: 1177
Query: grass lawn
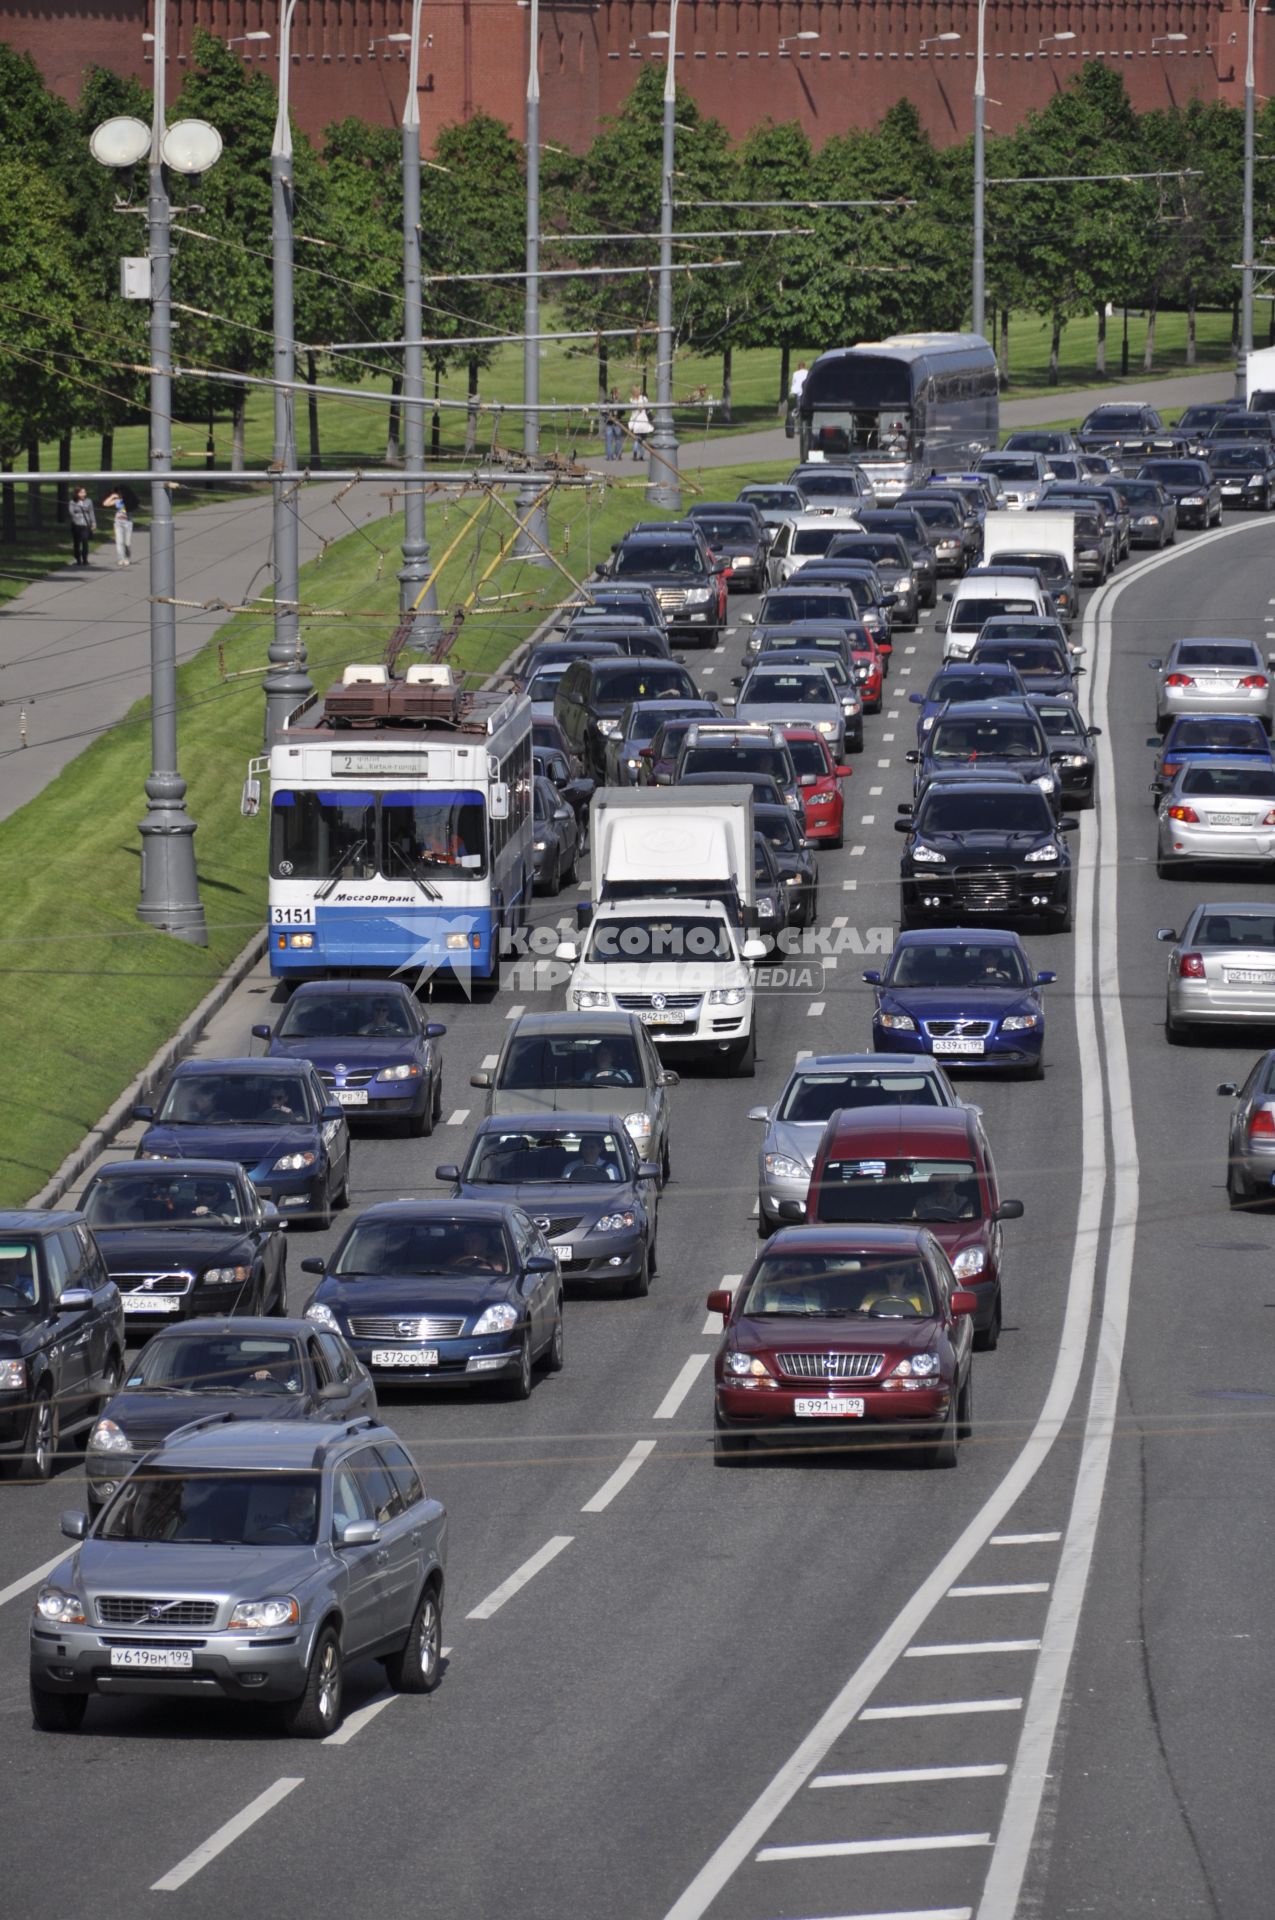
x: 1029, y: 337
x: 91, y: 992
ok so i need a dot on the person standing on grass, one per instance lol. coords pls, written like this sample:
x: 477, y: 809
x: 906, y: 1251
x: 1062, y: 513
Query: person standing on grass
x: 123, y: 529
x: 612, y: 427
x: 83, y: 523
x: 639, y: 421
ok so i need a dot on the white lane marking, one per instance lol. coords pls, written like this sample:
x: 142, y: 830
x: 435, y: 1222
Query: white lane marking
x: 893, y: 714
x: 909, y: 649
x: 713, y: 1322
x: 705, y: 671
x: 681, y: 1386
x: 1022, y: 1539
x: 582, y: 886
x: 458, y: 1118
x: 874, y: 792
x: 905, y: 1843
x: 515, y: 1012
x: 914, y: 1913
x: 933, y: 1708
x: 972, y: 1646
x: 905, y: 669
x: 885, y: 762
x: 226, y: 1836
x: 519, y: 1578
x: 840, y: 920
x: 803, y: 1053
x: 885, y: 741
x: 829, y: 962
x: 904, y: 1776
x: 868, y: 820
x: 31, y: 1579
x: 992, y: 1593
x: 849, y: 886
x: 855, y: 852
x: 356, y: 1721
x: 489, y: 1060
x: 640, y: 1451
x: 815, y: 1008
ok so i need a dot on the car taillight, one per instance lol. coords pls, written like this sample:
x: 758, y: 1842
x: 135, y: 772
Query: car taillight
x: 1191, y: 966
x: 1268, y: 819
x: 1253, y: 680
x: 1170, y: 768
x: 1179, y: 680
x: 1262, y: 1125
x: 1188, y: 814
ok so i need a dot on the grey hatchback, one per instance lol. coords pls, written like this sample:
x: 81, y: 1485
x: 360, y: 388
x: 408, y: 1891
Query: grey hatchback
x: 247, y: 1560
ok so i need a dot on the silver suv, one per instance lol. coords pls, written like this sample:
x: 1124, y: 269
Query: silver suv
x: 247, y: 1560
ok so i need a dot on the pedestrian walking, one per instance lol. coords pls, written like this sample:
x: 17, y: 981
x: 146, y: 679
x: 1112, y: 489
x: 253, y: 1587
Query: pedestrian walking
x: 83, y: 523
x: 639, y: 421
x: 123, y: 529
x: 797, y: 382
x: 612, y: 427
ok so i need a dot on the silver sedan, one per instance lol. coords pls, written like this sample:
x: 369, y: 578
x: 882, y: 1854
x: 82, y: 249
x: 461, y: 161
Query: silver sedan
x: 1213, y: 676
x: 816, y: 1088
x: 1216, y: 809
x: 802, y: 695
x: 1221, y: 968
x: 1250, y: 1146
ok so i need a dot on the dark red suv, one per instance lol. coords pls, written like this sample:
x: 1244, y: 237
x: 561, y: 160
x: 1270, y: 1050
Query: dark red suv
x: 922, y: 1166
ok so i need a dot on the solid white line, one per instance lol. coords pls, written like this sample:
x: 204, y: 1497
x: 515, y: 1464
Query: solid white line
x: 458, y: 1118
x: 1022, y: 1539
x: 31, y: 1579
x: 356, y: 1721
x: 815, y: 1008
x: 519, y: 1578
x: 840, y: 1849
x: 904, y: 1776
x: 515, y: 1012
x: 225, y: 1836
x: 938, y: 1708
x: 681, y: 1386
x: 640, y: 1451
x: 973, y: 1646
x: 913, y: 1913
x: 713, y: 1322
x: 993, y: 1593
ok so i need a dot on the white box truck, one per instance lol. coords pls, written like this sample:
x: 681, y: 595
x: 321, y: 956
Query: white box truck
x: 1044, y: 530
x: 668, y: 842
x: 1259, y: 380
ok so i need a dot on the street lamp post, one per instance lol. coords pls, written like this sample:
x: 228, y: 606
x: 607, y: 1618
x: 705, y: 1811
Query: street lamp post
x: 1246, y: 258
x: 663, y: 484
x: 426, y: 630
x: 287, y: 684
x: 979, y: 316
x: 533, y: 539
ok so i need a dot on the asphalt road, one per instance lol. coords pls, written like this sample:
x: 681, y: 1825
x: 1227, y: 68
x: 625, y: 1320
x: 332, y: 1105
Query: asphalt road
x: 822, y: 1686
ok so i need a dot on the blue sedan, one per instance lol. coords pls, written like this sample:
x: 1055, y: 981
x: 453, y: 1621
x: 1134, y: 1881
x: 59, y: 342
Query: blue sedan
x: 374, y: 1054
x: 1201, y: 736
x: 958, y: 682
x: 968, y: 996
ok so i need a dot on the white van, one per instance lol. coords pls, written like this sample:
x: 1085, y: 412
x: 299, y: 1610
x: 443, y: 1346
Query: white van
x: 983, y: 596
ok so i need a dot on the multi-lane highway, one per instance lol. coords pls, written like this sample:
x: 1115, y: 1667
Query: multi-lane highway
x: 825, y: 1686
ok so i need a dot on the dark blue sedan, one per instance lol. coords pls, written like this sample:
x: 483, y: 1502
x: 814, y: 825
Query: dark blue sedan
x: 444, y: 1293
x: 1201, y: 736
x: 274, y: 1117
x: 373, y: 1052
x: 967, y: 996
x: 959, y: 682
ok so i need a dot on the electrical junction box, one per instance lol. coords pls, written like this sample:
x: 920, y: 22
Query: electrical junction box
x: 135, y: 278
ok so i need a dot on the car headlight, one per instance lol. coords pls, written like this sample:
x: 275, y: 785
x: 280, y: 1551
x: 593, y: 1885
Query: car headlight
x: 928, y: 856
x: 920, y: 1366
x: 1074, y: 760
x: 66, y: 1609
x: 256, y: 1614
x: 591, y: 997
x: 1148, y: 519
x: 1091, y: 553
x: 1020, y: 1022
x: 904, y: 583
x: 697, y: 596
x: 497, y: 1319
x: 1047, y: 782
x: 633, y: 763
x: 609, y: 729
x: 638, y: 1126
x: 1255, y: 480
x: 106, y: 1437
x: 225, y: 1276
x: 539, y: 846
x: 404, y: 1072
x: 323, y: 1316
x: 13, y: 1373
x: 294, y: 1162
x: 1042, y: 853
x: 615, y: 1222
x: 898, y: 1022
x: 826, y: 726
x: 967, y: 1264
x: 1191, y: 500
x: 765, y: 911
x: 726, y: 996
x: 792, y: 879
x: 782, y: 1166
x: 149, y: 1153
x: 947, y: 545
x: 746, y: 1365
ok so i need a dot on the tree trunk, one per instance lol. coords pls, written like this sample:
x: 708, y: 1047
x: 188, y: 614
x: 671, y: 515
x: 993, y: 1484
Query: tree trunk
x: 35, y: 502
x: 1055, y: 348
x: 108, y: 449
x: 64, y: 491
x: 1100, y: 351
x: 604, y: 371
x: 436, y: 424
x: 8, y: 509
x: 471, y: 409
x: 312, y: 375
x: 210, y: 443
x: 238, y: 402
x: 728, y: 354
x: 1148, y: 352
x: 393, y: 442
x: 1190, y: 333
x: 785, y: 362
x: 1124, y: 347
x: 1004, y: 346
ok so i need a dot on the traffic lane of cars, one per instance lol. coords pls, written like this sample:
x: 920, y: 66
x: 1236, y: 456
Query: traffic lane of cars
x: 1170, y: 1693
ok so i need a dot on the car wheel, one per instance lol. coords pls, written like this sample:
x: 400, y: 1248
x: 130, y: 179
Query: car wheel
x: 280, y: 1304
x: 855, y: 742
x: 1165, y: 869
x: 990, y: 1338
x: 765, y: 1227
x: 640, y: 1285
x: 965, y: 1408
x: 1175, y: 1033
x: 1238, y: 1191
x: 317, y: 1712
x: 519, y: 1388
x: 436, y: 1110
x: 555, y: 1353
x: 110, y: 1385
x: 57, y: 1712
x: 838, y: 840
x: 729, y: 1449
x: 569, y: 873
x: 1064, y: 921
x: 321, y: 1220
x: 743, y: 1056
x: 39, y: 1449
x: 417, y: 1667
x: 1036, y: 1071
x: 666, y: 1170
x: 943, y: 1452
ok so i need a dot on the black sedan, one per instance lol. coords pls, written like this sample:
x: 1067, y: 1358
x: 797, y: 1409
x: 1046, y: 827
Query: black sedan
x: 1153, y: 516
x: 187, y: 1239
x: 373, y: 1052
x: 275, y: 1117
x: 61, y: 1334
x: 580, y: 1178
x: 1071, y: 748
x: 240, y: 1369
x: 985, y: 852
x: 555, y: 846
x: 737, y: 539
x: 576, y: 789
x: 444, y: 1293
x: 1245, y: 472
x: 798, y: 868
x: 770, y: 896
x: 1192, y: 484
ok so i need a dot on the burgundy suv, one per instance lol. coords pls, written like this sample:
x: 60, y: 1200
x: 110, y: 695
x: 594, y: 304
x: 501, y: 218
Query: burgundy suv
x: 918, y: 1166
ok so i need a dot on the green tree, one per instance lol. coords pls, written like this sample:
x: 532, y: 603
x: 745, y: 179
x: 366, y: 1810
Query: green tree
x: 479, y: 224
x: 43, y: 297
x: 113, y: 331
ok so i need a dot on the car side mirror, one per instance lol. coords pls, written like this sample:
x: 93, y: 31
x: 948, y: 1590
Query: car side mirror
x: 792, y: 1210
x: 1009, y: 1210
x: 649, y: 1170
x: 333, y: 1390
x: 1228, y: 1087
x: 565, y: 950
x: 563, y: 813
x: 806, y: 779
x: 737, y: 680
x: 312, y: 1264
x: 913, y: 756
x: 748, y: 619
x: 143, y: 1113
x: 73, y: 1524
x: 945, y: 596
x: 1045, y: 979
x: 1068, y: 825
x: 917, y: 699
x: 964, y: 1303
x: 873, y: 976
x: 75, y: 1300
x: 844, y: 773
x: 541, y: 1263
x: 903, y: 824
x: 261, y: 1031
x: 435, y: 1030
x: 1155, y: 665
x: 447, y: 1172
x: 359, y: 1533
x: 668, y: 1078
x: 482, y: 1078
x: 331, y: 1111
x: 1095, y: 733
x: 720, y: 1301
x: 270, y: 1214
x: 1166, y: 933
x: 759, y: 1113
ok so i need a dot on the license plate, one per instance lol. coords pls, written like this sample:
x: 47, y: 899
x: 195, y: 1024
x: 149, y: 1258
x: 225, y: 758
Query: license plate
x: 957, y: 1046
x: 828, y: 1409
x: 349, y: 1097
x: 165, y: 1659
x: 1247, y: 977
x: 149, y: 1302
x: 563, y: 1249
x: 661, y: 1019
x: 405, y: 1356
x: 1230, y: 819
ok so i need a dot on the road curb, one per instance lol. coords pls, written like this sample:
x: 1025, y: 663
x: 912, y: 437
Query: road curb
x: 119, y: 1113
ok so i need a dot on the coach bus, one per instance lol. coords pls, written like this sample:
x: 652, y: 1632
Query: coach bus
x: 902, y: 408
x: 400, y: 828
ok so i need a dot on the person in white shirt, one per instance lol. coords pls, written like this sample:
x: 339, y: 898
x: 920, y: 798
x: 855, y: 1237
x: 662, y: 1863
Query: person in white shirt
x: 797, y: 382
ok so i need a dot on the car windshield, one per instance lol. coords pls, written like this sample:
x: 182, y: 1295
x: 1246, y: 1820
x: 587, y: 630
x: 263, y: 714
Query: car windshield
x: 742, y: 759
x: 1114, y: 420
x: 219, y: 1363
x: 833, y: 485
x: 808, y: 756
x: 1216, y: 653
x: 624, y: 942
x: 539, y: 1062
x: 956, y: 964
x: 166, y: 1200
x: 962, y: 687
x: 524, y: 1156
x: 315, y: 1016
x: 544, y: 684
x: 1051, y: 566
x: 960, y: 739
x: 19, y: 1266
x: 235, y: 1100
x: 788, y: 689
x: 813, y: 540
x: 642, y: 724
x: 1022, y: 628
x: 1000, y: 812
x: 803, y: 640
x: 837, y: 1286
x: 1243, y: 459
x: 642, y: 682
x: 217, y: 1508
x: 1025, y: 656
x: 827, y: 604
x: 812, y: 1098
x: 973, y: 611
x: 1011, y: 466
x: 1181, y: 473
x: 660, y: 558
x: 439, y: 1245
x: 874, y: 547
x: 1218, y: 735
x: 1256, y: 783
x: 773, y: 497
x: 726, y: 528
x: 1229, y: 928
x: 665, y: 743
x: 938, y: 513
x: 1141, y: 493
x: 899, y: 1189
